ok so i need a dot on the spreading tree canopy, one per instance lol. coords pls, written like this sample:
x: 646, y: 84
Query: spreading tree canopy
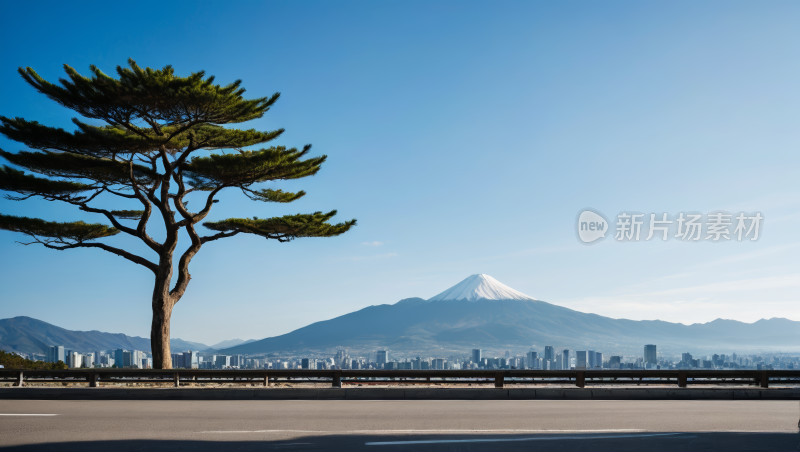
x: 164, y: 137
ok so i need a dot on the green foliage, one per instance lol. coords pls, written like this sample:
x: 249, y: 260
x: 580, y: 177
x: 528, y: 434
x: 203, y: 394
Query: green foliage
x: 100, y: 170
x: 285, y: 228
x: 25, y: 184
x: 109, y: 141
x: 128, y: 214
x: 270, y: 195
x: 101, y: 142
x: 12, y: 361
x: 249, y: 167
x: 156, y: 95
x: 77, y: 231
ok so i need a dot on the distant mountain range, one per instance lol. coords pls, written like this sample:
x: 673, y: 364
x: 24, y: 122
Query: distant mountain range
x: 481, y: 312
x: 28, y: 335
x: 230, y: 343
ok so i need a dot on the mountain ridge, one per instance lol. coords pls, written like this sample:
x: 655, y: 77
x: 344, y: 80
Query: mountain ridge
x: 457, y: 321
x: 461, y: 318
x: 25, y: 334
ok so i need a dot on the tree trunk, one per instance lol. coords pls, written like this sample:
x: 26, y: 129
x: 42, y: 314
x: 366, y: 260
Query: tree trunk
x: 162, y: 313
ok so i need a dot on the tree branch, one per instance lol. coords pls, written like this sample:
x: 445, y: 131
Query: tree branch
x: 119, y: 252
x: 221, y: 235
x: 183, y: 265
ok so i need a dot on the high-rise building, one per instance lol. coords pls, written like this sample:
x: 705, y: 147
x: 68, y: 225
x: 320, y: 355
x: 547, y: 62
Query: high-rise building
x: 134, y: 359
x: 549, y: 353
x: 565, y: 359
x: 533, y: 360
x: 590, y: 359
x: 222, y: 361
x: 191, y: 360
x: 438, y: 363
x: 580, y: 359
x: 341, y: 359
x: 686, y: 357
x: 598, y: 359
x: 119, y: 358
x: 476, y: 356
x: 615, y: 362
x: 55, y: 353
x: 650, y: 356
x: 305, y: 363
x: 74, y: 359
x: 177, y: 361
x: 237, y: 361
x: 382, y: 358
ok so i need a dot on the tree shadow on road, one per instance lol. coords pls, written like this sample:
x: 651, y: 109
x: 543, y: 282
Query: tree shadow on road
x: 667, y: 442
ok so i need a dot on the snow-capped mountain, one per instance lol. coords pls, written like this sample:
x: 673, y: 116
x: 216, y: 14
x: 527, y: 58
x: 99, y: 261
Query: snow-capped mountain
x: 480, y: 287
x: 481, y: 312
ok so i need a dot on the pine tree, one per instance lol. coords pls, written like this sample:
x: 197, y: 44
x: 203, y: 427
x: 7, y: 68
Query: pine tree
x: 164, y: 139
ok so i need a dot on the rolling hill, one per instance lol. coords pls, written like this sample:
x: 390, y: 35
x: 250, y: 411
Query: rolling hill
x: 29, y: 335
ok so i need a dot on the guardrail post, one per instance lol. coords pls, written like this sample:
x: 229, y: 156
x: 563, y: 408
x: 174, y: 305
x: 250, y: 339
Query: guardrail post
x: 764, y: 380
x: 682, y: 379
x: 266, y: 379
x: 93, y: 380
x: 580, y: 379
x: 176, y: 379
x: 337, y: 378
x: 20, y: 381
x: 499, y: 378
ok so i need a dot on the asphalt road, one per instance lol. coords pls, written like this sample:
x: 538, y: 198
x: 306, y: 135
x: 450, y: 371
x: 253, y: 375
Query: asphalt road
x: 399, y: 425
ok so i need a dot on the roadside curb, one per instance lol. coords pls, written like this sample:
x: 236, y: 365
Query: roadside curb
x: 398, y: 394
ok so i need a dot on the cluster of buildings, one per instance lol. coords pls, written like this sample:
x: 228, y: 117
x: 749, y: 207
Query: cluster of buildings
x: 547, y: 359
x: 194, y: 360
x: 119, y: 358
x: 734, y: 362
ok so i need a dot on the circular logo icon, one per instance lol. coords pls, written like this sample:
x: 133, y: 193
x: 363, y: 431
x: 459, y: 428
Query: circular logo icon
x: 591, y: 226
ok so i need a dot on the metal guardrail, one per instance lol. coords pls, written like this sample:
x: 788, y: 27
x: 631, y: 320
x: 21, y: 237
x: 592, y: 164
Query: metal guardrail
x: 337, y: 378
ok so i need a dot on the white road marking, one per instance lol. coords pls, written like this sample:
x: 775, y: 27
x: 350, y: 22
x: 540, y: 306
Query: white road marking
x: 28, y: 414
x: 542, y: 438
x: 430, y: 431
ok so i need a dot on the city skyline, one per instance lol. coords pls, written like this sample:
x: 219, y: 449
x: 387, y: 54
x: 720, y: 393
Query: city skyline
x: 532, y: 360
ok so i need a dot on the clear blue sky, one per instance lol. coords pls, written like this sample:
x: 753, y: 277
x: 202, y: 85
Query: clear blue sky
x: 464, y: 137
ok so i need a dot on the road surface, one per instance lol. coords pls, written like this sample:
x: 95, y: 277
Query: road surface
x: 543, y: 425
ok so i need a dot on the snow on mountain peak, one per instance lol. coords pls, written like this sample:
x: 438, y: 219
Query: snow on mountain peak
x: 478, y: 287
